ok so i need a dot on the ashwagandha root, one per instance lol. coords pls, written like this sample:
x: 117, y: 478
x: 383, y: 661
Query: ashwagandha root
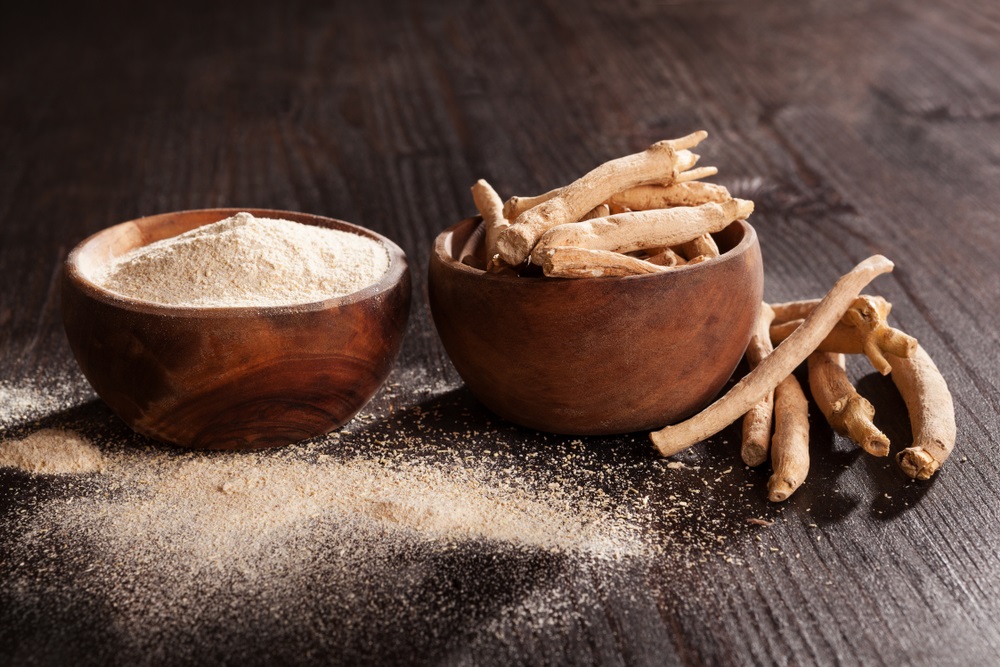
x: 862, y: 330
x: 665, y: 257
x: 639, y: 230
x: 847, y: 412
x: 647, y: 197
x: 776, y: 366
x: 655, y: 164
x: 491, y: 209
x: 695, y: 174
x: 847, y: 339
x: 876, y: 335
x: 799, y: 310
x: 702, y: 246
x: 931, y: 410
x: 601, y: 211
x: 758, y: 420
x: 685, y: 160
x: 516, y: 205
x: 570, y: 262
x: 790, y: 444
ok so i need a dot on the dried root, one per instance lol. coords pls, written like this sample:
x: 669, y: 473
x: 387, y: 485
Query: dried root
x: 799, y: 310
x: 639, y: 230
x: 847, y: 339
x: 515, y: 206
x: 877, y: 336
x: 790, y: 444
x: 685, y: 160
x: 663, y: 176
x: 778, y: 365
x: 847, y: 412
x: 695, y: 174
x: 665, y: 257
x: 656, y: 164
x: 862, y: 330
x: 601, y: 211
x: 702, y: 246
x: 757, y: 422
x: 572, y: 262
x: 932, y: 414
x: 491, y: 209
x: 646, y: 197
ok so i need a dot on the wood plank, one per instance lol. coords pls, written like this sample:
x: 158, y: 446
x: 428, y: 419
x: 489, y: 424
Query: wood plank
x: 856, y: 127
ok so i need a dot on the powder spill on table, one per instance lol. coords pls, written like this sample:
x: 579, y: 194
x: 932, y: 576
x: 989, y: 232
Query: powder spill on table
x: 51, y: 451
x: 24, y: 401
x: 372, y: 526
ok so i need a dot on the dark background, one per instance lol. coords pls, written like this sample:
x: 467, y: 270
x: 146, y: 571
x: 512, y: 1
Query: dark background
x: 857, y: 127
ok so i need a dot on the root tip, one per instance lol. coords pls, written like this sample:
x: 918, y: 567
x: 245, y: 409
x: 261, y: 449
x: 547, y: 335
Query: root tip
x: 778, y: 496
x: 779, y: 490
x: 917, y: 463
x: 876, y: 447
x: 754, y: 452
x: 513, y: 245
x: 664, y: 444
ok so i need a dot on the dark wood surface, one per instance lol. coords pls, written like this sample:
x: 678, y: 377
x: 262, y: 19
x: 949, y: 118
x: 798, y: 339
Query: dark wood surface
x: 857, y: 127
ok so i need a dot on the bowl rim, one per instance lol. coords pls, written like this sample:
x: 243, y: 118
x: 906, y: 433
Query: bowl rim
x: 393, y: 274
x: 449, y: 261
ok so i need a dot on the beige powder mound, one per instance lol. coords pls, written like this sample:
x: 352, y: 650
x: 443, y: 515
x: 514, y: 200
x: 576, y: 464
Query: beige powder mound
x: 245, y: 261
x: 52, y: 452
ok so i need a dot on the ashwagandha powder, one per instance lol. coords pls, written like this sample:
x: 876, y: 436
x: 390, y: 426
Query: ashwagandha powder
x: 168, y: 543
x: 432, y: 521
x: 244, y: 261
x: 201, y: 507
x: 53, y: 452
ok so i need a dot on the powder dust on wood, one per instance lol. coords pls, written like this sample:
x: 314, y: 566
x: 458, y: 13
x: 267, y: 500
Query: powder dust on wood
x: 244, y: 261
x: 162, y: 539
x: 425, y: 516
x: 199, y: 507
x: 26, y: 401
x: 51, y: 452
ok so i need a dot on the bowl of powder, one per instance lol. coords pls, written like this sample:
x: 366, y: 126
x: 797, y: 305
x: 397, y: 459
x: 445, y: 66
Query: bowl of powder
x: 235, y: 328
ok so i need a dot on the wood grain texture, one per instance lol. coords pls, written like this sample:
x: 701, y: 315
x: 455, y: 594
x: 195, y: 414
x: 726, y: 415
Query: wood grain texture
x: 857, y: 127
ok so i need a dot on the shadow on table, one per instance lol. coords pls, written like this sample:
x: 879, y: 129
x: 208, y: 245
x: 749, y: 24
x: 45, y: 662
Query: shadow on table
x: 899, y: 493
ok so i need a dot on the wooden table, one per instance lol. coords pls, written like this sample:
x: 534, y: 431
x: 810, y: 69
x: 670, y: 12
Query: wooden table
x: 856, y: 127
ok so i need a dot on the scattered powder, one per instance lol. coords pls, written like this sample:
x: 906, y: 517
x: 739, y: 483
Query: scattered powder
x: 246, y: 261
x: 52, y: 452
x: 422, y: 516
x: 199, y: 507
x: 25, y: 401
x: 162, y: 541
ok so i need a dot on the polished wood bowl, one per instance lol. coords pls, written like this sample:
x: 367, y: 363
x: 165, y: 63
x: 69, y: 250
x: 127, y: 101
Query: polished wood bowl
x: 597, y: 356
x: 231, y: 378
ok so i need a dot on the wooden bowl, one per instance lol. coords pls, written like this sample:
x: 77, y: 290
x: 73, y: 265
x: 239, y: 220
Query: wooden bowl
x: 231, y: 378
x: 597, y: 356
